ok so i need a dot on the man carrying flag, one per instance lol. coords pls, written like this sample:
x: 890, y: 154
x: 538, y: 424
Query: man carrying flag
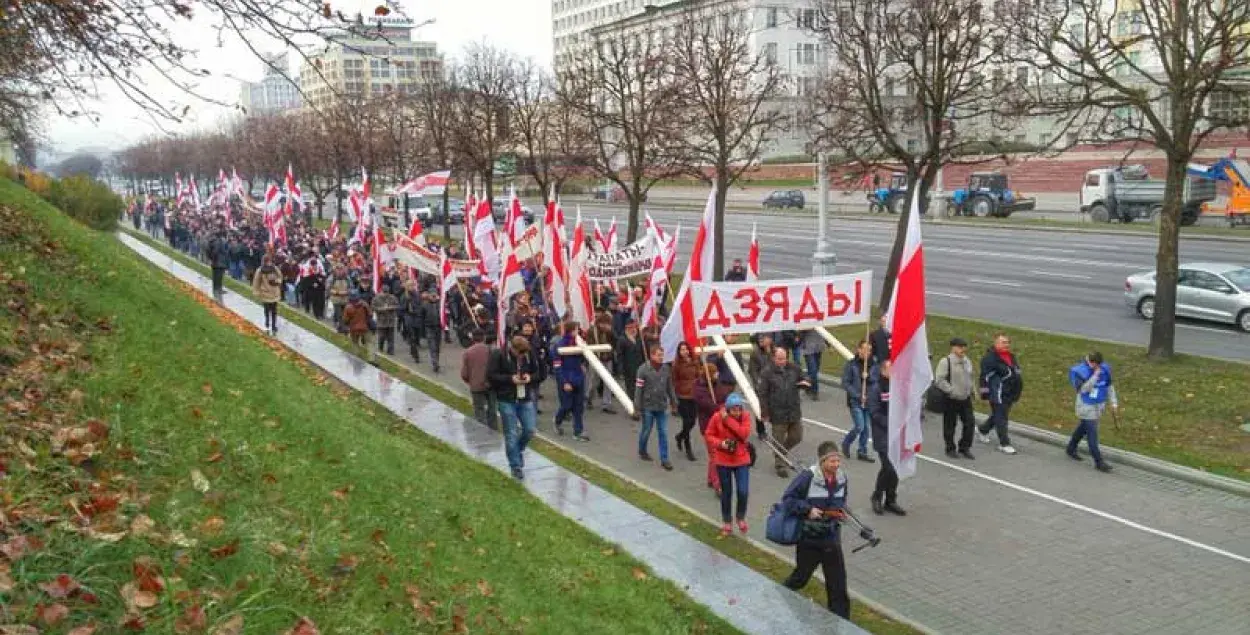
x: 896, y: 405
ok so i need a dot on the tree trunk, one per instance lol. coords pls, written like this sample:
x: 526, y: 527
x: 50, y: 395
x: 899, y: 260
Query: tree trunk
x: 718, y: 254
x: 338, y: 198
x: 1163, y: 327
x: 447, y: 213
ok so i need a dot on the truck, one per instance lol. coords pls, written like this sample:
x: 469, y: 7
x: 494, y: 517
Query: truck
x: 989, y: 194
x: 1127, y: 193
x: 892, y: 198
x: 1235, y: 172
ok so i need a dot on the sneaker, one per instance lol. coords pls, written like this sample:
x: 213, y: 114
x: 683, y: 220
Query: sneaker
x: 1074, y: 456
x: 667, y: 466
x: 1006, y: 449
x: 644, y: 456
x: 893, y: 508
x: 983, y: 438
x: 559, y: 430
x: 952, y: 454
x: 726, y: 530
x: 846, y: 450
x: 865, y: 457
x: 967, y: 454
x: 742, y: 526
x: 609, y: 410
x: 518, y: 474
x: 581, y: 437
x: 877, y: 507
x: 1103, y: 467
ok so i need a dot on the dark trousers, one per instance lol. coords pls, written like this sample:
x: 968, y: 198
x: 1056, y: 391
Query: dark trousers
x: 689, y: 414
x: 414, y: 344
x: 999, y: 413
x: 832, y: 565
x: 1087, y: 429
x: 887, y: 480
x: 271, y: 314
x: 219, y: 276
x: 958, y: 411
x: 386, y: 340
x: 436, y: 345
x: 733, y: 480
x: 571, y: 402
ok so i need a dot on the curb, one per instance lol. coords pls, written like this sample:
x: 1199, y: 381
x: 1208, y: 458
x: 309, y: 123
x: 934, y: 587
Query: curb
x: 1124, y: 457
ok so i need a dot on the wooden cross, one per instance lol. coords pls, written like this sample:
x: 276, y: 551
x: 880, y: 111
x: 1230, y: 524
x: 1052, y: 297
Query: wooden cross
x: 590, y: 352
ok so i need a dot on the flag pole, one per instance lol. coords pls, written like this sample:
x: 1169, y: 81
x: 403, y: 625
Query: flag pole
x: 464, y: 298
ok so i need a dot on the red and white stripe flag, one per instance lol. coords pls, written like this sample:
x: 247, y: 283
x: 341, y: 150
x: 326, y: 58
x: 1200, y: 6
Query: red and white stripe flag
x: 680, y: 326
x: 554, y: 255
x: 661, y: 269
x: 910, y: 373
x: 293, y: 193
x: 236, y: 183
x: 484, y: 240
x: 432, y: 184
x: 470, y: 211
x: 601, y: 239
x: 582, y: 308
x: 332, y: 234
x: 195, y: 193
x: 416, y: 231
x: 446, y: 282
x: 514, y: 220
x: 178, y: 191
x: 655, y: 228
x: 753, y: 257
x: 611, y: 237
x: 510, y: 284
x: 379, y: 259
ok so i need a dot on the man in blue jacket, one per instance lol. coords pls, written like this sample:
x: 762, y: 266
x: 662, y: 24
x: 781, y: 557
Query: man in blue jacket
x: 1092, y: 380
x: 818, y: 496
x: 570, y: 382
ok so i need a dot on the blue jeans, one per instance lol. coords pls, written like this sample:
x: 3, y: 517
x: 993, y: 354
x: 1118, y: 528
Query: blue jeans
x: 859, y: 429
x: 659, y: 419
x: 571, y: 402
x: 1087, y: 428
x: 236, y: 269
x: 812, y: 361
x: 733, y: 479
x: 518, y: 420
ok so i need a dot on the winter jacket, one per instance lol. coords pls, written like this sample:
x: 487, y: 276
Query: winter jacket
x: 686, y: 373
x: 501, y: 365
x: 430, y: 314
x: 760, y: 360
x: 879, y: 410
x: 629, y: 355
x: 1092, y: 395
x: 597, y: 335
x: 780, y: 399
x: 953, y: 376
x: 1004, y: 381
x: 853, y: 382
x: 568, y: 368
x: 356, y: 317
x: 880, y: 340
x: 267, y: 284
x: 218, y: 253
x: 812, y: 343
x: 473, y: 367
x: 386, y: 309
x: 722, y: 427
x: 811, y: 488
x: 707, y: 401
x: 653, y: 388
x: 340, y: 290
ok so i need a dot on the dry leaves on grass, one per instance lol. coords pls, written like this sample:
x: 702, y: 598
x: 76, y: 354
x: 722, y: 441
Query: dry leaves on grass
x: 213, y: 525
x: 304, y: 626
x: 226, y: 550
x: 639, y: 574
x: 193, y: 620
x: 51, y: 614
x: 136, y: 598
x: 85, y: 629
x: 60, y: 588
x: 232, y: 626
x: 18, y: 546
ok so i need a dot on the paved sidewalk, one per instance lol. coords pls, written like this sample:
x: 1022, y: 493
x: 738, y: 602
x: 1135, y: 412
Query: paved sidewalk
x: 1034, y: 543
x: 730, y: 589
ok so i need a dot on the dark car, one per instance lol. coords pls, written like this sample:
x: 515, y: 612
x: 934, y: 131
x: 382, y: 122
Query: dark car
x: 499, y: 209
x: 456, y: 208
x: 782, y: 199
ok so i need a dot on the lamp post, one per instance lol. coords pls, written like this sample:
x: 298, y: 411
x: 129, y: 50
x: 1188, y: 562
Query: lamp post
x: 824, y: 261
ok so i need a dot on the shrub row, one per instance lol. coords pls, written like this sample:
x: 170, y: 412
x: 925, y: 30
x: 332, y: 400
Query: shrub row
x: 86, y: 200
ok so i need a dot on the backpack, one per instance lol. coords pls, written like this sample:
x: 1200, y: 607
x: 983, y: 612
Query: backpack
x: 782, y: 528
x: 934, y: 398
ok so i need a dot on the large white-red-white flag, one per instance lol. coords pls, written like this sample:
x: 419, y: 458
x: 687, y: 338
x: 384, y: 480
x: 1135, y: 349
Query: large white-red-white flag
x: 432, y: 184
x: 380, y: 246
x: 510, y: 283
x: 470, y: 212
x: 680, y: 326
x: 753, y: 257
x: 514, y: 220
x: 554, y: 257
x: 580, y: 301
x: 484, y: 240
x: 446, y: 282
x: 910, y: 374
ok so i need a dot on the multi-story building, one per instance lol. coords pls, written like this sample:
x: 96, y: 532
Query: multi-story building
x: 778, y: 29
x: 275, y: 92
x: 358, y: 64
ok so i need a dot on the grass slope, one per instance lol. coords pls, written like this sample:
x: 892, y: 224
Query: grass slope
x: 164, y: 467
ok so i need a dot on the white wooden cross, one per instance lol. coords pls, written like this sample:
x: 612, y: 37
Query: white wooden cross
x: 590, y: 352
x: 726, y: 350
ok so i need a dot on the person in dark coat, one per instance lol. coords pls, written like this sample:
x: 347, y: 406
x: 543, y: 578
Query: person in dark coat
x: 410, y: 315
x: 219, y: 259
x: 885, y: 496
x: 781, y: 404
x: 570, y: 377
x: 818, y: 496
x: 431, y: 318
x: 880, y: 340
x: 1003, y: 383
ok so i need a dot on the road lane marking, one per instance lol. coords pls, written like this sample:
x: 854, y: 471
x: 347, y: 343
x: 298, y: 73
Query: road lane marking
x: 957, y: 296
x: 1208, y: 329
x: 1055, y: 249
x: 1067, y: 503
x: 1056, y: 274
x: 1001, y: 283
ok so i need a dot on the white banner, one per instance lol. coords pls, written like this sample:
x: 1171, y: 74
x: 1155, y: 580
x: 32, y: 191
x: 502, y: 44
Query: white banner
x: 632, y: 260
x: 409, y: 253
x: 724, y: 308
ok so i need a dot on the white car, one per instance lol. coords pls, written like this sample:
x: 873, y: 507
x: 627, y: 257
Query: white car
x: 1206, y: 291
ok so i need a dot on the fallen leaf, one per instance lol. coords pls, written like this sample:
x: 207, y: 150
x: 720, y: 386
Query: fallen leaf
x: 458, y: 625
x: 213, y: 525
x: 142, y: 525
x: 193, y: 620
x: 342, y: 492
x: 214, y: 457
x: 207, y: 388
x: 85, y: 629
x: 377, y: 536
x: 483, y: 587
x: 60, y: 588
x: 199, y: 482
x: 608, y: 552
x: 639, y: 574
x: 304, y: 626
x: 18, y: 629
x: 232, y: 626
x: 269, y: 478
x: 51, y: 614
x: 6, y: 581
x: 137, y: 599
x: 226, y: 550
x: 133, y: 622
x: 277, y: 549
x: 197, y: 413
x: 147, y: 575
x: 19, y: 546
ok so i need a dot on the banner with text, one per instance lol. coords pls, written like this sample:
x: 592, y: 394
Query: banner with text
x: 723, y: 308
x: 632, y: 260
x: 411, y: 254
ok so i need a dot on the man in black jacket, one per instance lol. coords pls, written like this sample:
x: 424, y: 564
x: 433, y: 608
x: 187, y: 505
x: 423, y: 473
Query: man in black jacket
x: 885, y: 496
x: 431, y: 319
x: 1003, y: 383
x: 509, y: 371
x: 780, y: 388
x: 218, y: 253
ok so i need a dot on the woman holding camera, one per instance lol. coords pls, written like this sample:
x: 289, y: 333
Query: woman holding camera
x: 727, y: 433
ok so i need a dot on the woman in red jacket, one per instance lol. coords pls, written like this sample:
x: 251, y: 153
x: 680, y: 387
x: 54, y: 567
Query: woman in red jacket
x: 729, y: 432
x: 709, y: 396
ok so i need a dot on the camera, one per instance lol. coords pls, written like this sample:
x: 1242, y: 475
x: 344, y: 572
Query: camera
x: 731, y: 445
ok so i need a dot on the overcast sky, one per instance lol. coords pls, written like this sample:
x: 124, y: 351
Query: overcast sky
x: 522, y: 26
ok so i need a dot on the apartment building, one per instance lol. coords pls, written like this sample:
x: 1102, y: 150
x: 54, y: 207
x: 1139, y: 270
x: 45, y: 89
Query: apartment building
x: 379, y: 59
x: 275, y: 92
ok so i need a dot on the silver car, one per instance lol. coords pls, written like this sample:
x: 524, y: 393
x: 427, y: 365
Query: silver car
x: 1205, y: 291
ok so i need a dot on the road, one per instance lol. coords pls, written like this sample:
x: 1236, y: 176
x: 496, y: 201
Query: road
x: 1056, y: 281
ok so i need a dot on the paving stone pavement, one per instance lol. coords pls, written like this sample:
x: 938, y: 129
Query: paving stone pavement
x: 744, y: 598
x: 1032, y: 543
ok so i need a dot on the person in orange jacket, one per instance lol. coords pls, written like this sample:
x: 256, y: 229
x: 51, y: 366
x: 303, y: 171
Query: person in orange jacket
x: 728, y: 433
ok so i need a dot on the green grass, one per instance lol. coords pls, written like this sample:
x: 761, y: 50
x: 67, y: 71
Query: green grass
x: 695, y: 526
x: 1136, y: 228
x: 273, y: 492
x: 1186, y: 410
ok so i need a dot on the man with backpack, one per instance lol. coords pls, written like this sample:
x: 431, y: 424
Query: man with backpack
x: 817, y: 496
x: 1092, y: 380
x: 953, y: 383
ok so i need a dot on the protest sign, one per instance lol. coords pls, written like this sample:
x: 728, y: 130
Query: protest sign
x: 723, y: 308
x: 632, y: 260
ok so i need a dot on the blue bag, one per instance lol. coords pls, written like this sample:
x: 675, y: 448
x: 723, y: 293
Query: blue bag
x: 782, y: 528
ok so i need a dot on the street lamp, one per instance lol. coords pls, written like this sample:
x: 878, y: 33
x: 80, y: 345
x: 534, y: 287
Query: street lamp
x: 824, y: 261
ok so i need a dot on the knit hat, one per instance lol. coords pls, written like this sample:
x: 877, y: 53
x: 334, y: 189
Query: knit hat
x: 734, y: 400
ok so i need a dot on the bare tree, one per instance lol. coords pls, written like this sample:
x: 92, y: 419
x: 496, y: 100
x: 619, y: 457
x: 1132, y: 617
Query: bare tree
x: 436, y: 112
x: 1165, y: 72
x: 482, y: 134
x: 553, y: 142
x: 626, y: 89
x: 730, y: 96
x: 910, y: 82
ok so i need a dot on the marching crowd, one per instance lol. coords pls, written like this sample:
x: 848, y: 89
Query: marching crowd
x: 506, y: 379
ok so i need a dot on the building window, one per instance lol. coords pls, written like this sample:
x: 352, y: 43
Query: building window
x: 1229, y: 106
x: 807, y: 19
x: 770, y: 20
x: 770, y: 52
x: 913, y: 146
x: 1022, y: 76
x: 807, y: 53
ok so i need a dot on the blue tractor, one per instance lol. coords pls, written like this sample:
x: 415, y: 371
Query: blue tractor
x: 988, y: 194
x: 892, y: 199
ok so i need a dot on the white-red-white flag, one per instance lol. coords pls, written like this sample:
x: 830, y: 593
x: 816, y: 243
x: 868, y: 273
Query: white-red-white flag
x: 655, y: 228
x: 581, y: 303
x: 910, y: 373
x: 601, y: 239
x: 236, y: 183
x: 554, y: 256
x: 611, y: 237
x: 680, y: 326
x: 470, y: 213
x: 332, y: 234
x: 179, y: 193
x: 416, y: 231
x: 661, y: 270
x: 446, y: 282
x: 753, y: 257
x: 195, y: 193
x: 432, y: 184
x: 510, y: 283
x: 514, y: 221
x: 292, y: 190
x: 484, y: 240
